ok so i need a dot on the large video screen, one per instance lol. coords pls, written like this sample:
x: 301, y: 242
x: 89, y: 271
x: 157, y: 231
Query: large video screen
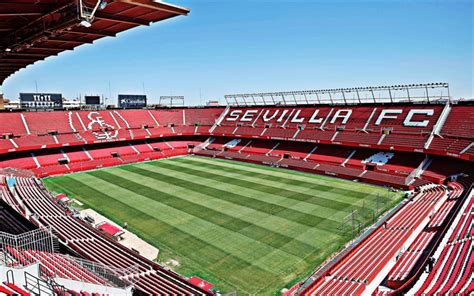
x: 92, y: 100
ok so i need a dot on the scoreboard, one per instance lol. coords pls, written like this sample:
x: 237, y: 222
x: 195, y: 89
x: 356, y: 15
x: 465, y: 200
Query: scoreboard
x: 41, y: 101
x: 132, y: 101
x: 92, y: 100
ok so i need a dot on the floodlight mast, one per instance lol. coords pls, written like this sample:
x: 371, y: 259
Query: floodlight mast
x: 373, y: 94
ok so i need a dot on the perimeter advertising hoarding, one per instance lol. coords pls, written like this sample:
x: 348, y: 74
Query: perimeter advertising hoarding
x: 41, y: 101
x: 131, y: 101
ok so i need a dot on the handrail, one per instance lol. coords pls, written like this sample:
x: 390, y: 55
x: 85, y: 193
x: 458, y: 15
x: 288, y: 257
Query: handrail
x: 10, y: 272
x: 37, y: 285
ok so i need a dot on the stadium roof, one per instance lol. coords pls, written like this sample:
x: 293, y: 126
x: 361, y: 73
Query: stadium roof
x: 32, y: 30
x: 406, y: 93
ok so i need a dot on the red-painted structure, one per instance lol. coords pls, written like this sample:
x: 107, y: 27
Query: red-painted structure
x: 403, y: 143
x: 399, y: 145
x: 34, y: 30
x: 335, y: 140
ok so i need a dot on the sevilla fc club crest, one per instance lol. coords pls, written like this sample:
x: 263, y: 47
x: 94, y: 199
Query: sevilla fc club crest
x: 95, y: 122
x: 107, y: 131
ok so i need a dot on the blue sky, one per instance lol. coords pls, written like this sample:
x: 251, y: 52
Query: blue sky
x: 225, y: 47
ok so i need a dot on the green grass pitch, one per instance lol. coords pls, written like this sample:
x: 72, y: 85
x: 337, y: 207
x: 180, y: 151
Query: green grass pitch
x: 246, y: 228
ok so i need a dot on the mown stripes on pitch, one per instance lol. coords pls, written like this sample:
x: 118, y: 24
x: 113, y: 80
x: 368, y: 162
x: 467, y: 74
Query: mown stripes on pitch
x: 291, y: 185
x: 198, y: 195
x: 250, y: 227
x: 201, y: 252
x: 213, y: 234
x: 274, y: 239
x: 233, y: 197
x: 294, y: 181
x: 250, y: 192
x: 260, y: 186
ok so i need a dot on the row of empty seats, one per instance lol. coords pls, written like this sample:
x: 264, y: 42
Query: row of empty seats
x: 150, y: 277
x: 71, y: 159
x: 362, y: 126
x: 403, y: 141
x: 369, y: 118
x: 10, y: 289
x: 352, y: 124
x: 55, y: 265
x: 410, y: 257
x: 423, y: 244
x: 453, y: 270
x: 351, y: 163
x: 9, y: 222
x: 355, y: 271
x: 64, y: 122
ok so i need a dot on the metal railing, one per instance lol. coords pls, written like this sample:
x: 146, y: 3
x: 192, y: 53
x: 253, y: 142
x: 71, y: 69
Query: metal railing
x: 117, y: 277
x: 40, y: 287
x: 409, y: 93
x: 40, y: 240
x: 13, y: 246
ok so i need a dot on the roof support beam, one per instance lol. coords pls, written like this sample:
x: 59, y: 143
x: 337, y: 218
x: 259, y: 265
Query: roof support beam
x: 10, y: 14
x: 14, y: 6
x: 121, y: 19
x: 157, y: 6
x: 32, y: 30
x: 94, y: 32
x: 23, y: 54
x: 4, y: 27
x: 17, y: 60
x: 15, y: 65
x: 65, y: 40
x: 38, y: 25
x: 3, y: 66
x: 42, y: 48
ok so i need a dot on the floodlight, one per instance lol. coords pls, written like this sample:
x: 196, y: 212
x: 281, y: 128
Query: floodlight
x: 86, y: 24
x: 103, y: 4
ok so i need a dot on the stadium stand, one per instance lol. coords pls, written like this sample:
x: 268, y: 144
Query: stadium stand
x: 72, y: 127
x: 345, y: 162
x: 203, y: 116
x: 356, y: 271
x: 150, y: 277
x: 55, y: 265
x: 10, y: 221
x: 378, y: 144
x: 12, y: 124
x: 452, y: 273
x: 12, y: 289
x: 406, y: 262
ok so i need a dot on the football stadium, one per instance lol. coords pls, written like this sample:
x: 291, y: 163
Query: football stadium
x: 339, y: 191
